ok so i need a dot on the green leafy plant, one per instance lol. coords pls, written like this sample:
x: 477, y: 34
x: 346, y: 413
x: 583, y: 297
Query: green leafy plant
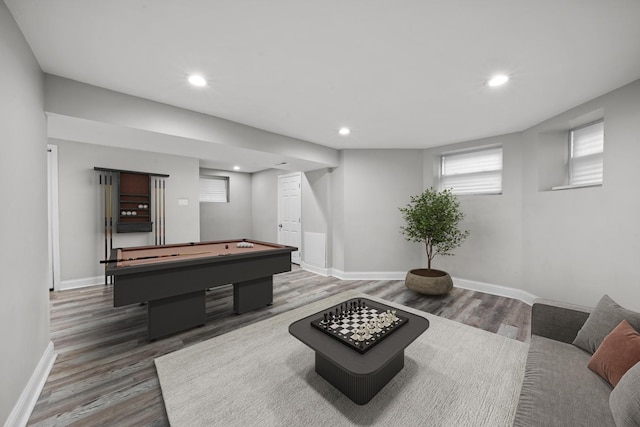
x: 433, y: 218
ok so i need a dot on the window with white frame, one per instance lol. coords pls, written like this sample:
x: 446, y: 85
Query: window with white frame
x: 214, y: 189
x: 586, y: 153
x: 477, y: 171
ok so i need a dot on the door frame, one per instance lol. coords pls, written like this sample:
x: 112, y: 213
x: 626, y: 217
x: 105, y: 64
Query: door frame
x: 288, y: 175
x: 53, y: 216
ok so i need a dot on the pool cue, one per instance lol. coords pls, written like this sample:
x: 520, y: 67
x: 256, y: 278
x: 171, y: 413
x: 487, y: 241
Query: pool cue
x: 155, y: 211
x: 110, y: 211
x: 110, y: 261
x: 159, y: 212
x: 105, y: 224
x: 164, y: 213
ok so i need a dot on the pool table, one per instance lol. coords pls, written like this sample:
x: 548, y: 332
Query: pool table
x: 173, y: 279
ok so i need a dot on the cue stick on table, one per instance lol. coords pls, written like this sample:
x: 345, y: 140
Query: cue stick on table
x: 110, y: 261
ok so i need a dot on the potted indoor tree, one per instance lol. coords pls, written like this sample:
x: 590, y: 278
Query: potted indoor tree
x: 433, y: 218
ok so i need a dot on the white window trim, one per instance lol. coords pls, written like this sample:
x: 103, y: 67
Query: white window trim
x: 569, y: 187
x: 480, y: 173
x: 570, y: 161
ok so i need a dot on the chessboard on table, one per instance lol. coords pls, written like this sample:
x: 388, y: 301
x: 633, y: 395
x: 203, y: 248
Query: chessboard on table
x: 344, y: 320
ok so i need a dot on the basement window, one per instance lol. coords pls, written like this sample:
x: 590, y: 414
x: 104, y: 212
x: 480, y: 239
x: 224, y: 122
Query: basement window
x: 477, y: 171
x: 214, y: 189
x: 586, y: 152
x: 586, y: 156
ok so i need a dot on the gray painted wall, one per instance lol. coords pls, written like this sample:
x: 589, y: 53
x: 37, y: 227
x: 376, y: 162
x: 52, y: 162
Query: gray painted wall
x: 24, y: 262
x: 264, y: 205
x: 579, y: 244
x: 571, y: 245
x: 376, y: 184
x: 316, y: 200
x: 493, y: 251
x: 232, y: 220
x: 337, y: 253
x: 81, y: 211
x: 316, y: 208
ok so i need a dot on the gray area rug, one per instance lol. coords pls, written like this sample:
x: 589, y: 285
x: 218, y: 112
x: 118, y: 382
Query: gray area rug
x: 260, y: 375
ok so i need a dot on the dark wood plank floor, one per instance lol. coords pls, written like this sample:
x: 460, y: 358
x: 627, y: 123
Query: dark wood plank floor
x: 104, y: 373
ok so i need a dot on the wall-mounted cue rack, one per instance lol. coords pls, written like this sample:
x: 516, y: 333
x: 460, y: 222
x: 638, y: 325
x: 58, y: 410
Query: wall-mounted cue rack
x: 130, y: 203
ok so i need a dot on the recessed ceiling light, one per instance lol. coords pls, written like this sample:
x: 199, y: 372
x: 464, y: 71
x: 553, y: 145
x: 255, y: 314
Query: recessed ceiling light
x: 344, y: 131
x: 498, y: 80
x: 236, y: 168
x: 197, y: 80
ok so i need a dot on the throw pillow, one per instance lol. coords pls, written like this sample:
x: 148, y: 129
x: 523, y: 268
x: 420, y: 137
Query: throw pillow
x: 624, y: 400
x: 619, y: 351
x: 604, y: 317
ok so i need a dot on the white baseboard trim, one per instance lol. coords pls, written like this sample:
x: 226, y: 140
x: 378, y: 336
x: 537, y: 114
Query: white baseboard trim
x: 81, y: 283
x: 317, y: 270
x: 487, y: 288
x: 492, y: 289
x: 368, y: 275
x: 21, y: 412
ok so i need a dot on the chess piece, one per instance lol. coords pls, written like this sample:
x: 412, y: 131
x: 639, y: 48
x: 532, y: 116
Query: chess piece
x: 361, y: 333
x: 387, y: 320
x: 368, y: 329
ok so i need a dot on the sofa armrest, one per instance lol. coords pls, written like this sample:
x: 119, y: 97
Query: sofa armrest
x: 557, y: 320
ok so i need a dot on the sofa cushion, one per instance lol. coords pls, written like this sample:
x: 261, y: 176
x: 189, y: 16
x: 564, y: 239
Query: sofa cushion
x: 602, y: 320
x: 619, y: 351
x: 559, y: 390
x: 625, y: 399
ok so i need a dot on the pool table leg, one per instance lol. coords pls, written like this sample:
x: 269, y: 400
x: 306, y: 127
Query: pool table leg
x: 174, y: 314
x: 252, y: 294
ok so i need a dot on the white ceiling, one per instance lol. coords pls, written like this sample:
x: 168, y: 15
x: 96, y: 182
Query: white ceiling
x: 399, y: 73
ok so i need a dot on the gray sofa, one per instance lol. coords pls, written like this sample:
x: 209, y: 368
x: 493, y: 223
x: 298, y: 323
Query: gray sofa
x: 558, y: 388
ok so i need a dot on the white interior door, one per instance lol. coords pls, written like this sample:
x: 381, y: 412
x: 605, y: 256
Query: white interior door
x: 289, y: 212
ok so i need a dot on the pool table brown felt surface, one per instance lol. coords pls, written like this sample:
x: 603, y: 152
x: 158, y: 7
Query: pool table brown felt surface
x: 183, y: 251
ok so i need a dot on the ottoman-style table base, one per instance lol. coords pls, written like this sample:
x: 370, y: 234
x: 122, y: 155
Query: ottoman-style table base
x: 359, y: 388
x: 360, y: 376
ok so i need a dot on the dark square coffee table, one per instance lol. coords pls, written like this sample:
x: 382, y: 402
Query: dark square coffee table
x: 359, y: 376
